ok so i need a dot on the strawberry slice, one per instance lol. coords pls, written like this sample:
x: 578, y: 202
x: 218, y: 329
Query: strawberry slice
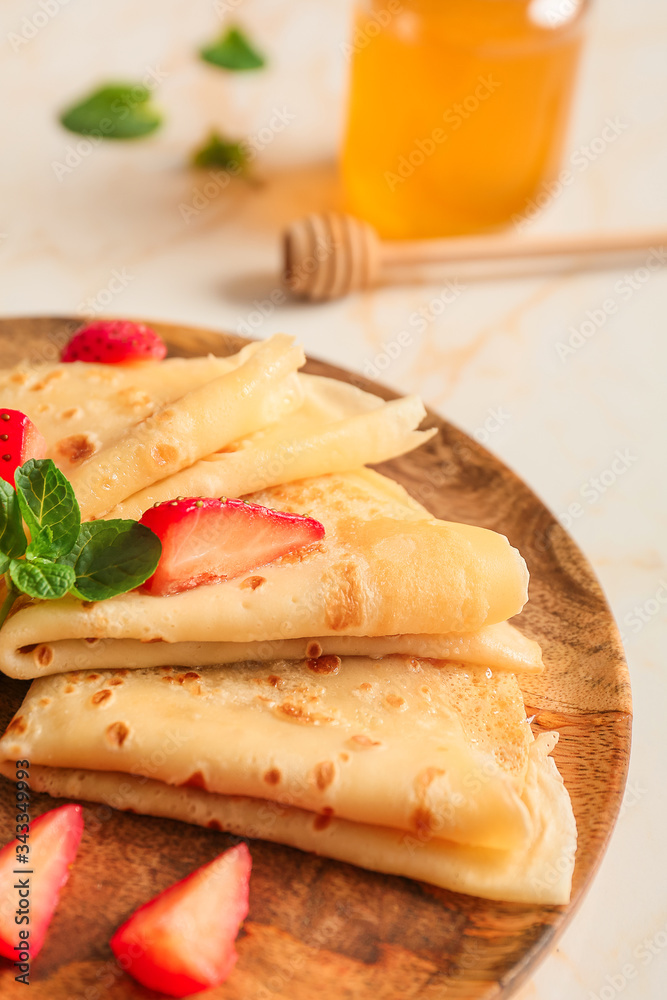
x: 33, y: 888
x: 19, y: 441
x: 182, y: 941
x: 113, y: 342
x: 206, y: 540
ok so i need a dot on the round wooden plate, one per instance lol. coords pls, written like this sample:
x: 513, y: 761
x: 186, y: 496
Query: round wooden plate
x: 318, y: 928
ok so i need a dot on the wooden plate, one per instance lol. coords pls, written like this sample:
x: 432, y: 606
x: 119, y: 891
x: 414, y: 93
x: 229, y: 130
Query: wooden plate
x: 318, y: 928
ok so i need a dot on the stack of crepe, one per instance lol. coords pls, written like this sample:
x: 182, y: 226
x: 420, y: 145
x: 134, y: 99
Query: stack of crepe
x: 357, y: 699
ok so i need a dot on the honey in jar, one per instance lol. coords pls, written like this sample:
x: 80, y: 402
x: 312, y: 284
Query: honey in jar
x: 457, y: 111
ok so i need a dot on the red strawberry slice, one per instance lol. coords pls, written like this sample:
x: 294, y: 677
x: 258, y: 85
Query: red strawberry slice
x: 206, y: 540
x: 19, y: 441
x: 53, y: 841
x: 182, y: 941
x: 113, y: 342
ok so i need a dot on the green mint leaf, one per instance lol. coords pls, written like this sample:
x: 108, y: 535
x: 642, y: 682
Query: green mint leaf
x: 233, y: 51
x: 4, y: 563
x: 41, y: 578
x: 12, y: 536
x: 47, y: 501
x: 221, y: 153
x: 112, y: 557
x: 116, y: 111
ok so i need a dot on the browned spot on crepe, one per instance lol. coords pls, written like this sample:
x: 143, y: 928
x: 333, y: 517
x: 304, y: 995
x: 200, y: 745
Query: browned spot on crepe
x: 196, y: 780
x: 252, y: 582
x: 115, y: 681
x: 18, y: 726
x: 324, y: 773
x: 324, y: 664
x: 323, y: 820
x: 395, y: 701
x: 44, y: 655
x: 45, y: 701
x: 93, y: 677
x: 76, y: 448
x: 344, y: 757
x: 73, y: 411
x: 422, y: 820
x: 313, y: 650
x: 92, y: 640
x: 214, y: 825
x: 363, y: 742
x: 275, y: 681
x: 365, y: 686
x: 163, y: 454
x: 20, y: 378
x: 190, y: 676
x: 29, y: 648
x: 44, y: 381
x: 295, y: 713
x: 117, y: 733
x: 425, y: 777
x: 272, y: 776
x: 345, y: 601
x: 87, y: 605
x: 100, y: 697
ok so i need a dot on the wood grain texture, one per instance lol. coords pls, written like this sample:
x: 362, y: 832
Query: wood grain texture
x: 319, y: 928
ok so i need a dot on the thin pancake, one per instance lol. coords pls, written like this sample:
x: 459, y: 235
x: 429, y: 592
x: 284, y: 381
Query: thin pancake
x: 385, y: 567
x: 356, y: 775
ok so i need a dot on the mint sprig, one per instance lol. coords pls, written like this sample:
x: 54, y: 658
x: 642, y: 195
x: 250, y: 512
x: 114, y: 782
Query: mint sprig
x: 233, y: 50
x: 221, y: 153
x: 116, y: 111
x: 93, y: 561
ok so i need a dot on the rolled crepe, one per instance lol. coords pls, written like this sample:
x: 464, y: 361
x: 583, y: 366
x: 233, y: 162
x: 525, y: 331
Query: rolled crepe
x: 384, y: 568
x: 430, y: 772
x: 81, y: 408
x: 499, y: 647
x: 178, y: 434
x: 298, y: 447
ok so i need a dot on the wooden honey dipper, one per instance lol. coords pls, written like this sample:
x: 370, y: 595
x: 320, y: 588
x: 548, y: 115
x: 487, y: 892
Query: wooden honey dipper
x: 328, y: 255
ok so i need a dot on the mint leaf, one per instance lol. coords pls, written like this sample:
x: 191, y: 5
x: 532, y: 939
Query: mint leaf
x: 116, y: 111
x: 233, y: 51
x: 41, y: 578
x: 12, y: 536
x: 219, y: 152
x: 47, y: 501
x: 112, y: 557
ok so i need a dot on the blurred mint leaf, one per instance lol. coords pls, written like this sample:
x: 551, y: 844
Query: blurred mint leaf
x: 220, y: 153
x: 48, y: 506
x: 112, y: 557
x: 115, y: 111
x: 41, y: 578
x: 234, y: 51
x: 12, y: 536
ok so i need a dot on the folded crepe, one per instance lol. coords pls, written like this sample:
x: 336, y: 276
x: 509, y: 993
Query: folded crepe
x: 308, y: 425
x: 385, y: 568
x: 409, y: 767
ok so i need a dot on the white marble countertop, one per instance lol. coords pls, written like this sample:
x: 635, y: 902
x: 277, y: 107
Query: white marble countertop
x: 109, y: 234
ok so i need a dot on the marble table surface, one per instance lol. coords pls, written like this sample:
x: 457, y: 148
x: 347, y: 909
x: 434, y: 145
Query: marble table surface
x: 129, y: 229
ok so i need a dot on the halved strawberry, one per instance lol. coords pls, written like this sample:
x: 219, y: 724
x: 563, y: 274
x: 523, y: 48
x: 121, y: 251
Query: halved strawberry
x: 206, y: 540
x: 19, y: 441
x: 113, y: 342
x: 33, y: 887
x: 182, y: 941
